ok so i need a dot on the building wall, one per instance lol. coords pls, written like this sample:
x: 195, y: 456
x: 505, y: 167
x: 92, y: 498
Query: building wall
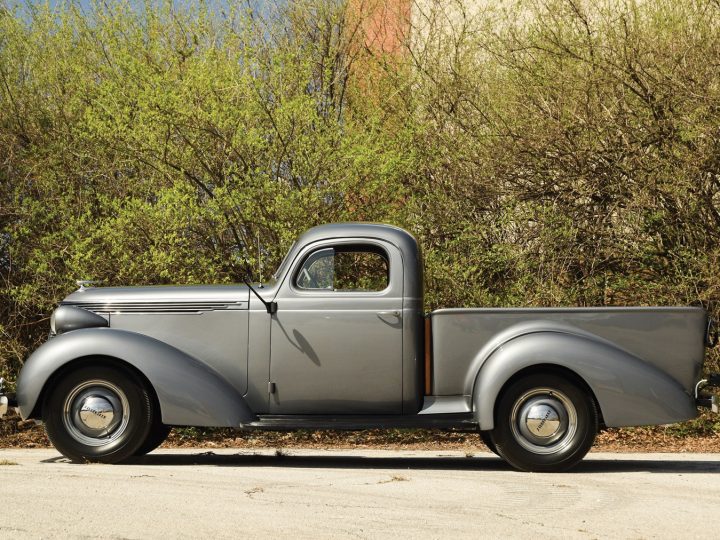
x: 385, y: 23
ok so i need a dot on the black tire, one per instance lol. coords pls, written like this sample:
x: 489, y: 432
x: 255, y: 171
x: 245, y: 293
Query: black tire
x: 98, y: 414
x: 561, y: 426
x: 156, y: 436
x: 487, y: 440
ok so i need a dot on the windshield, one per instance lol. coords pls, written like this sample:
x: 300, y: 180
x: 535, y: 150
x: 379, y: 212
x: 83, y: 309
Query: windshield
x: 281, y: 269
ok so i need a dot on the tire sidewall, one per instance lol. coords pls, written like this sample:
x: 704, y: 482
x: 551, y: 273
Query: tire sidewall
x: 139, y: 420
x: 156, y: 436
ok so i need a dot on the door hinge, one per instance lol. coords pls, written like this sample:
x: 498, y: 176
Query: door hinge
x: 271, y: 388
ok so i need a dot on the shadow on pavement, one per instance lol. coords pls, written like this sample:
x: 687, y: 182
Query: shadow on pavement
x: 326, y: 462
x: 482, y: 463
x: 669, y: 466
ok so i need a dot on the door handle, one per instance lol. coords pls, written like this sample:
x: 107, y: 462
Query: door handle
x: 394, y: 313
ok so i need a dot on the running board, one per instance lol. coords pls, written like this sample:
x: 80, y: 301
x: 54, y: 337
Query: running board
x: 357, y: 422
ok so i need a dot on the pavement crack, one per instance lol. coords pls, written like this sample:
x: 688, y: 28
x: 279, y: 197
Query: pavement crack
x: 394, y: 478
x: 252, y: 491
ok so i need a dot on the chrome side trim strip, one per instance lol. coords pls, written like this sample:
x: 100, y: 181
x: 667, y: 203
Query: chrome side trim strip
x: 158, y: 307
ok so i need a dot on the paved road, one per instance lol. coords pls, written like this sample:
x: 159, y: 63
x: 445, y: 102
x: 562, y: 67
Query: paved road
x: 365, y: 494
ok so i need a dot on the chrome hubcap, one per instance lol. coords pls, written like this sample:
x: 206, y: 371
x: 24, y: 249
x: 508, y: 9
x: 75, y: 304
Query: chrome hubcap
x: 96, y: 413
x: 544, y: 421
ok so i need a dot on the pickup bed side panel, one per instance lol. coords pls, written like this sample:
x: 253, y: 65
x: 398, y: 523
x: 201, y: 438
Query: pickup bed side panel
x: 190, y: 393
x: 669, y: 338
x: 630, y: 392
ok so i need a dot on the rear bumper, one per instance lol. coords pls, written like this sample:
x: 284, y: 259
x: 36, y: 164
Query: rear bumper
x: 709, y: 402
x: 706, y: 399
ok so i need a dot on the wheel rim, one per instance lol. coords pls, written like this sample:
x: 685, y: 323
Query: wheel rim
x: 544, y: 421
x: 96, y: 413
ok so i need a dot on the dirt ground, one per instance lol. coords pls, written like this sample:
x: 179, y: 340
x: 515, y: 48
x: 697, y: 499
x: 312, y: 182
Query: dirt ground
x: 700, y: 435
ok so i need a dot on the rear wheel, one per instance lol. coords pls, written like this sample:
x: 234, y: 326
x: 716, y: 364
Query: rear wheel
x: 156, y: 436
x: 544, y: 423
x: 98, y: 413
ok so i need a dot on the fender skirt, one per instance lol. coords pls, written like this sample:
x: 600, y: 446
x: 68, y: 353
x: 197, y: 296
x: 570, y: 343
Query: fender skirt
x: 629, y: 391
x: 190, y: 393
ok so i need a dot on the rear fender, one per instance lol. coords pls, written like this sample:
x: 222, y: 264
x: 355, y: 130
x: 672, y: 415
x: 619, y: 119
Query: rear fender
x: 189, y: 392
x: 629, y: 391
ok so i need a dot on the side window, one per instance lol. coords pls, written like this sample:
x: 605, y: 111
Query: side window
x: 350, y: 268
x: 317, y: 271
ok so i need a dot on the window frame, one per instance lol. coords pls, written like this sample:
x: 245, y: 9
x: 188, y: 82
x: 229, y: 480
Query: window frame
x: 374, y: 247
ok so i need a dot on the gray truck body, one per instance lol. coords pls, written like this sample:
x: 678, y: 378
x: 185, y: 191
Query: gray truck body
x: 215, y: 356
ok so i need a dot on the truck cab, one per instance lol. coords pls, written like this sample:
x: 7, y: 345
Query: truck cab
x: 347, y: 336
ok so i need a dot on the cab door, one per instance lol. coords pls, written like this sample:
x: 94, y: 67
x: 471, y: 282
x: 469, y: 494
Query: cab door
x: 336, y: 339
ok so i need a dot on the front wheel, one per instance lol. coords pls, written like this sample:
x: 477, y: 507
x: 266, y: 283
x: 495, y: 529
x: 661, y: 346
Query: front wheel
x: 544, y: 423
x: 487, y: 441
x: 98, y: 413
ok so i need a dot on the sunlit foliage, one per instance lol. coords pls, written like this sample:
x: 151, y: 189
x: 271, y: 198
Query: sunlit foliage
x: 550, y: 152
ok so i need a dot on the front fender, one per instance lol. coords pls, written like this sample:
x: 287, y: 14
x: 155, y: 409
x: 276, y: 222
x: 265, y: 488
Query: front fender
x: 190, y: 393
x: 629, y: 391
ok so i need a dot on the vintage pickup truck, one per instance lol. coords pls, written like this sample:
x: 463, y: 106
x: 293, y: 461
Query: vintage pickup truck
x: 338, y: 340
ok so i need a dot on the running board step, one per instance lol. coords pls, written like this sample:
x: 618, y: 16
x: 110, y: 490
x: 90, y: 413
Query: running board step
x: 464, y: 421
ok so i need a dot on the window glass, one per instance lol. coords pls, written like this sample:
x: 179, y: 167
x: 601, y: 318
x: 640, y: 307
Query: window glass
x: 317, y: 271
x: 359, y: 268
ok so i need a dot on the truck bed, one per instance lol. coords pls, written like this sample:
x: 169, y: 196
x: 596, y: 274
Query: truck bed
x: 670, y: 338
